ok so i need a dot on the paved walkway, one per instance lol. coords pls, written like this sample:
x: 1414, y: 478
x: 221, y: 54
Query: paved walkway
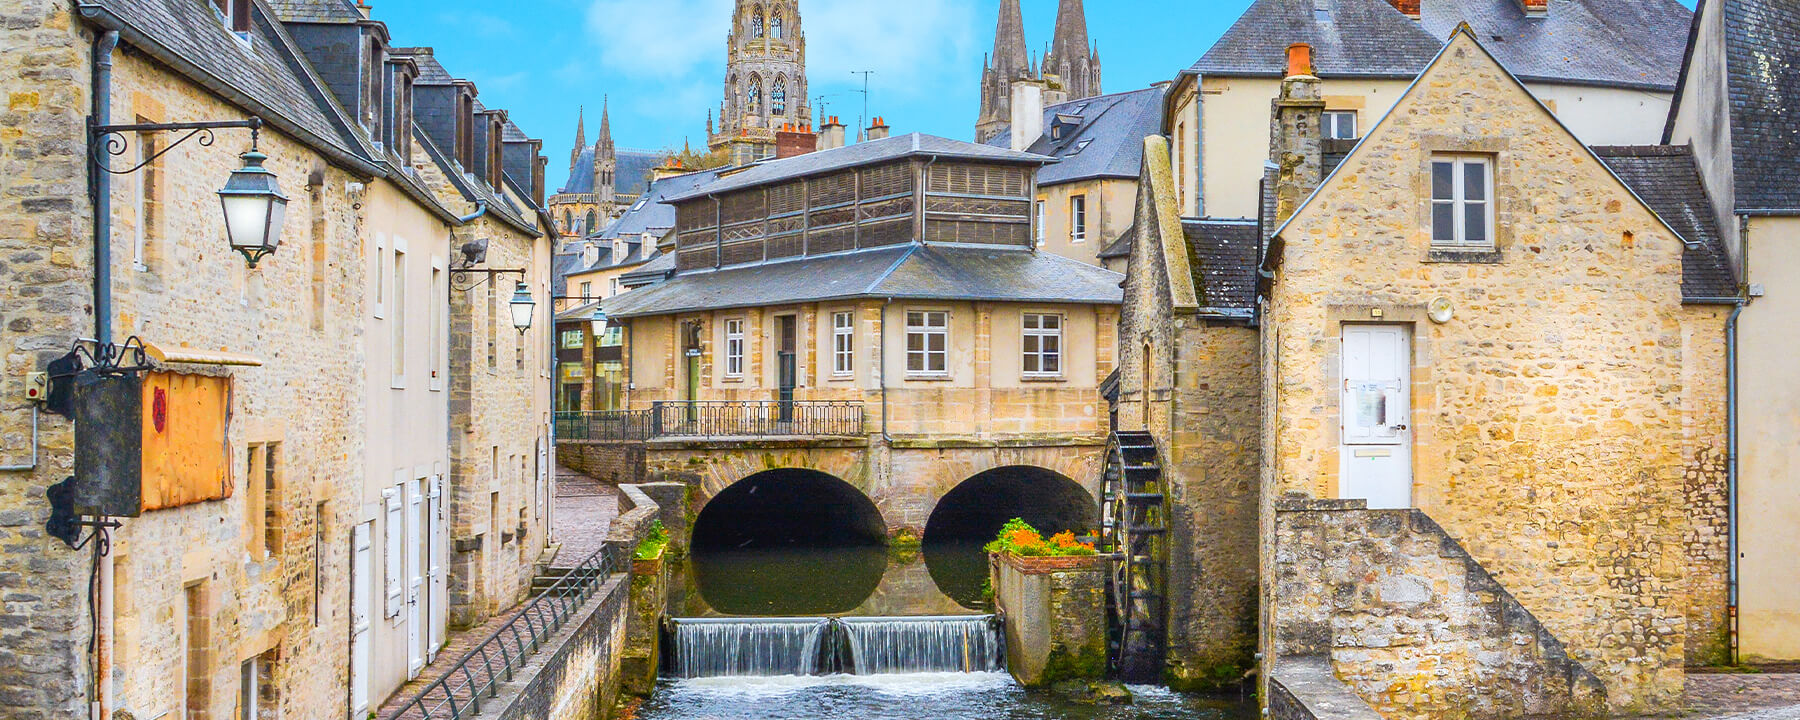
x: 585, y: 509
x: 1743, y: 696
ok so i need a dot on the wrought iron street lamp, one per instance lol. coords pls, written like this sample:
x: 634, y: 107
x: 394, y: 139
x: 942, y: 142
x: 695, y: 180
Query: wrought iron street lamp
x: 600, y: 322
x: 254, y: 208
x: 523, y: 308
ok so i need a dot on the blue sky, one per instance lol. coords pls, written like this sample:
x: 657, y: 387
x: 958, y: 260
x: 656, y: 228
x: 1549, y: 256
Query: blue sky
x: 662, y: 61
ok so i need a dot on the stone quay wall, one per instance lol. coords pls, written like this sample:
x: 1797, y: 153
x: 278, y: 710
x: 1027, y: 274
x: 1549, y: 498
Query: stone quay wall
x: 1412, y: 623
x: 613, y: 463
x: 1055, y: 615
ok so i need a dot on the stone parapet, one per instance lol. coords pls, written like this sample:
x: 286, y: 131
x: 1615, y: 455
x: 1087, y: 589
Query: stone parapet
x: 1304, y: 688
x: 1054, y: 610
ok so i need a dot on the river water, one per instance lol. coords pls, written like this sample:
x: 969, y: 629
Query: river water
x: 940, y: 696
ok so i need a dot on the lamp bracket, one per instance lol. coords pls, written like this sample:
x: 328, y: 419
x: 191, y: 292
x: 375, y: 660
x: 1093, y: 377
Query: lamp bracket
x: 109, y: 359
x: 112, y: 140
x: 466, y: 279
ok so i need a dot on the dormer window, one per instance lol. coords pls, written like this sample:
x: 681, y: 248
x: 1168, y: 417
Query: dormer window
x: 590, y: 254
x: 375, y: 60
x: 495, y: 177
x: 235, y: 14
x: 1080, y: 146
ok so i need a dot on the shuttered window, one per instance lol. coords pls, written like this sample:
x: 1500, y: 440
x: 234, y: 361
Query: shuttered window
x: 393, y: 553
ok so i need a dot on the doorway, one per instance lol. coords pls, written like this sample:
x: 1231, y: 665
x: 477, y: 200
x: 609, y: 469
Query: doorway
x: 690, y: 351
x: 787, y: 364
x: 1376, y: 450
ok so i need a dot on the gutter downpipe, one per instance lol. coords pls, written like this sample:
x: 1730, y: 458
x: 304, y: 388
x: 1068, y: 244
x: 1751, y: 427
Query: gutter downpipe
x: 1731, y: 472
x: 101, y: 189
x: 481, y: 208
x: 889, y: 439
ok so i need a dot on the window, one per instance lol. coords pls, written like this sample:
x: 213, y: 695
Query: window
x: 778, y: 97
x: 754, y: 96
x: 587, y: 290
x: 1181, y: 163
x: 756, y: 24
x: 397, y: 316
x: 1038, y: 212
x: 843, y: 343
x: 437, y: 325
x: 393, y: 588
x: 927, y: 334
x: 734, y: 348
x: 588, y: 226
x: 198, y: 649
x: 271, y: 483
x: 1042, y: 343
x: 493, y: 325
x: 234, y: 13
x: 1078, y: 218
x: 1080, y: 146
x: 1340, y: 125
x: 775, y: 27
x: 1462, y: 212
x: 257, y: 698
x: 147, y: 201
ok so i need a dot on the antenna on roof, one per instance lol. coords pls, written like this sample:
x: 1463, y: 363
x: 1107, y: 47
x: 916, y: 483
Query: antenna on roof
x: 865, y: 93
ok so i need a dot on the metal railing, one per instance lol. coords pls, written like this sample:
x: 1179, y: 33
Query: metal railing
x: 771, y: 418
x: 617, y: 426
x: 755, y: 418
x: 476, y: 677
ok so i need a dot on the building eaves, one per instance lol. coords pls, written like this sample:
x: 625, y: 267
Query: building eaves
x: 859, y: 155
x: 317, y: 11
x: 471, y: 190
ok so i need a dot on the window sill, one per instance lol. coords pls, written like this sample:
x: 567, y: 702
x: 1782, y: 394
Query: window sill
x: 731, y: 379
x: 1470, y: 256
x: 843, y: 377
x: 928, y: 378
x: 1043, y: 379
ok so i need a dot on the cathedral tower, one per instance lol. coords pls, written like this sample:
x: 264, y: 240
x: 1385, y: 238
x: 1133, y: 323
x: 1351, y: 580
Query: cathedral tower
x: 1072, y: 60
x: 765, y: 79
x: 1071, y: 70
x: 606, y: 164
x: 1008, y: 63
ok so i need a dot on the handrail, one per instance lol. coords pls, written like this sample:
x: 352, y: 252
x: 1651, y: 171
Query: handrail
x: 714, y: 418
x: 527, y: 631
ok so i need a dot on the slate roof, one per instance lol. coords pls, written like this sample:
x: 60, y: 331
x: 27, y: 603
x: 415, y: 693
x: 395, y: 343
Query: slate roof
x: 631, y: 177
x: 316, y: 11
x: 650, y: 213
x: 1668, y: 180
x: 1120, y: 247
x: 1106, y: 139
x: 1627, y: 43
x: 909, y: 271
x: 1762, y: 55
x: 268, y: 70
x: 1225, y: 254
x: 431, y: 72
x: 657, y: 268
x: 863, y: 153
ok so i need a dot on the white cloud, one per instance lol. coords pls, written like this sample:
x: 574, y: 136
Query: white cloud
x: 913, y: 50
x: 662, y: 39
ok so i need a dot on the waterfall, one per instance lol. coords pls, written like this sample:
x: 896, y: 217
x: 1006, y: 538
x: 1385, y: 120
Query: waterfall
x: 765, y: 647
x: 761, y: 647
x: 880, y: 646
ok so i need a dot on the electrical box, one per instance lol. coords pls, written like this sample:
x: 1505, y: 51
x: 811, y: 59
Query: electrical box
x: 109, y: 444
x: 37, y: 386
x: 1757, y: 290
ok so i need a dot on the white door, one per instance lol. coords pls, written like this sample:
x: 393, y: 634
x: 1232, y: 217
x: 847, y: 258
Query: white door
x: 1376, y: 457
x: 362, y: 598
x: 436, y: 586
x: 415, y: 581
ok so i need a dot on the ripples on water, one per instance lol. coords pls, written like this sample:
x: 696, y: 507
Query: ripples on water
x: 935, y: 696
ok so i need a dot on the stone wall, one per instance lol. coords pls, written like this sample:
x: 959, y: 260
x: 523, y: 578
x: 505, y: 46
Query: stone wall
x: 613, y: 463
x: 1548, y: 422
x: 1307, y: 689
x: 1055, y: 614
x: 1412, y: 623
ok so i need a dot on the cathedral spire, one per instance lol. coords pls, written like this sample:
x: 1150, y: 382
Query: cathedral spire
x: 580, y: 137
x: 604, y: 144
x: 1071, y: 58
x: 1010, y: 58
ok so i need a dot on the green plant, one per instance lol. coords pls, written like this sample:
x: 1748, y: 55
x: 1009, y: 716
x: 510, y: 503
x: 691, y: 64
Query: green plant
x: 654, y: 541
x: 1020, y: 538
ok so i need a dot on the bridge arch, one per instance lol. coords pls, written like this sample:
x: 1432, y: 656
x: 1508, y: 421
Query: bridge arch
x: 788, y: 507
x: 972, y: 513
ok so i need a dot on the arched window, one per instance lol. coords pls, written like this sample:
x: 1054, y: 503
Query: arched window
x: 754, y: 95
x: 775, y: 26
x: 778, y: 97
x: 589, y: 226
x: 756, y: 24
x: 567, y: 218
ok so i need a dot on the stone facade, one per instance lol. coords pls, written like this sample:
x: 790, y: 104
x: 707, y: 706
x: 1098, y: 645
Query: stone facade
x: 765, y: 80
x: 1551, y: 420
x: 1189, y: 377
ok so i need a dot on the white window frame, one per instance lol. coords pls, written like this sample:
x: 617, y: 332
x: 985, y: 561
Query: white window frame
x: 1078, y: 218
x: 397, y: 310
x: 734, y: 348
x: 1459, y: 201
x: 1039, y: 218
x: 926, y: 325
x: 1334, y: 121
x: 843, y: 343
x: 1028, y: 333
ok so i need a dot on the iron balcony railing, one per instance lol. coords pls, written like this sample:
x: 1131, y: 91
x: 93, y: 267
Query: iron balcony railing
x: 757, y: 418
x: 476, y: 677
x: 619, y: 426
x: 766, y: 418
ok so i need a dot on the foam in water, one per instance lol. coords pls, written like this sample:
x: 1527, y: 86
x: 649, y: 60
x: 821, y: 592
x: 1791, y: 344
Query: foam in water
x: 884, y: 646
x: 748, y: 648
x: 811, y: 646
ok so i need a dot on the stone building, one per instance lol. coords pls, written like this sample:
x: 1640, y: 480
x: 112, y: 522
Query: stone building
x: 1071, y: 70
x: 765, y: 80
x: 1731, y: 108
x: 267, y: 570
x: 603, y: 181
x: 1487, y: 376
x: 877, y: 317
x: 1606, y: 67
x: 1085, y: 202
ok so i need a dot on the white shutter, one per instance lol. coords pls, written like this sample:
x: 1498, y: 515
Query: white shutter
x: 362, y: 586
x: 394, y: 549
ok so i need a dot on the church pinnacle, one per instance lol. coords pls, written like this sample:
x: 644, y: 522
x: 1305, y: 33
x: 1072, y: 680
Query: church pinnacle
x: 580, y: 138
x: 1070, y: 65
x: 1071, y: 58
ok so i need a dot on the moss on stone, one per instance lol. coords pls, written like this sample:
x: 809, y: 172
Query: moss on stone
x: 1215, y: 677
x: 1087, y: 662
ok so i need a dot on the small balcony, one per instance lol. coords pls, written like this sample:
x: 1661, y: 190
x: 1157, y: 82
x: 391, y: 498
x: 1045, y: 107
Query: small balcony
x: 715, y: 419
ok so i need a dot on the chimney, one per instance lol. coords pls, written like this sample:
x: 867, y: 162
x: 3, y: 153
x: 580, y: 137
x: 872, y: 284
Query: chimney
x: 669, y: 168
x: 1027, y: 113
x: 1535, y: 8
x: 878, y: 130
x: 792, y: 140
x: 1410, y: 8
x: 1295, y: 137
x: 831, y: 134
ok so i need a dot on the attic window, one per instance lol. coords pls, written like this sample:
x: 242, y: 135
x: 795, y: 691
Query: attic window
x: 1080, y: 146
x: 235, y: 14
x: 1079, y: 109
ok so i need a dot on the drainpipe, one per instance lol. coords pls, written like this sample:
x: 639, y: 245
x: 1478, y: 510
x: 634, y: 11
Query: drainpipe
x: 884, y: 376
x: 101, y: 189
x: 481, y: 208
x: 1731, y: 472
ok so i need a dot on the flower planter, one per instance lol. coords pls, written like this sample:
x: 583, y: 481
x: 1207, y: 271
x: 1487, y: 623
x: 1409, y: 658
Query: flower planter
x: 1033, y: 565
x: 1055, y: 613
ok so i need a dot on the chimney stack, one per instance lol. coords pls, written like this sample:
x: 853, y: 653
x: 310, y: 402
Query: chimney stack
x: 831, y: 134
x: 1027, y: 113
x: 1409, y: 8
x: 1296, y: 139
x: 879, y: 129
x: 1535, y: 8
x: 794, y: 140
